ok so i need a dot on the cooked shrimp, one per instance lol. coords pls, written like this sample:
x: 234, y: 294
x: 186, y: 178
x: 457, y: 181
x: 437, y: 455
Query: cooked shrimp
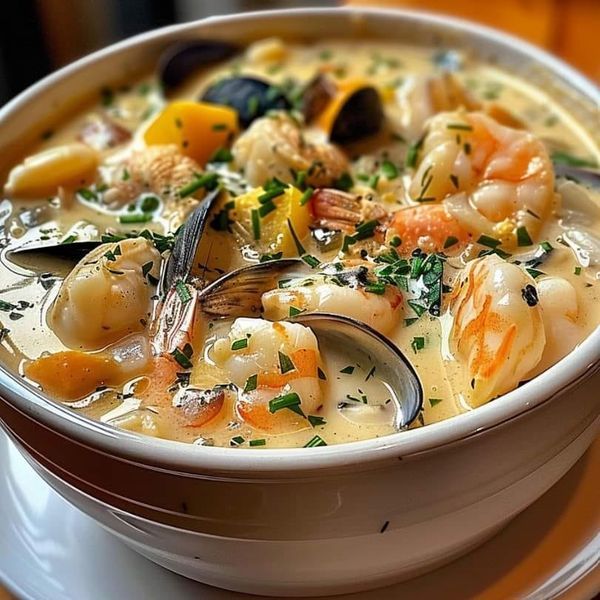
x: 492, y: 179
x: 319, y: 293
x: 276, y: 146
x: 420, y: 97
x: 107, y: 295
x: 429, y: 227
x: 162, y: 170
x: 268, y: 361
x: 498, y: 329
x: 560, y: 311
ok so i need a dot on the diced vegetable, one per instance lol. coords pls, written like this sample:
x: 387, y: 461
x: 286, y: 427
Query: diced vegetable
x: 274, y: 234
x: 43, y: 173
x: 198, y: 129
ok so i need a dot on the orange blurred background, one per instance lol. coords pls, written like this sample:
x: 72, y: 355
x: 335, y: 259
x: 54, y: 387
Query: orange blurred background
x: 568, y: 28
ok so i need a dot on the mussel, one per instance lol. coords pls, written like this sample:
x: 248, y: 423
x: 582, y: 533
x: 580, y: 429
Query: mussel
x: 239, y: 293
x: 348, y: 111
x: 182, y: 59
x: 249, y: 96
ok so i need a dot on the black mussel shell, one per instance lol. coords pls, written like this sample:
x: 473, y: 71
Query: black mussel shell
x: 74, y: 251
x: 180, y: 60
x: 250, y: 97
x: 361, y: 116
x: 317, y: 94
x: 181, y: 259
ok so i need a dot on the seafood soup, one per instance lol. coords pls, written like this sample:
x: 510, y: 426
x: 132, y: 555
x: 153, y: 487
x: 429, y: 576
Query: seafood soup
x: 298, y: 245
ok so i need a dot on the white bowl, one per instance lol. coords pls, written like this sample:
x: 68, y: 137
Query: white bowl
x: 319, y: 520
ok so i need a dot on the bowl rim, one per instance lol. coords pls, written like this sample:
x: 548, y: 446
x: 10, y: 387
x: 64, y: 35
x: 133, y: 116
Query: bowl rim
x: 581, y: 363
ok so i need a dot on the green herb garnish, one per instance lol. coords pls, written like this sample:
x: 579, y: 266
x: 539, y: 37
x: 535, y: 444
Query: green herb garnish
x: 315, y: 442
x: 285, y: 363
x: 251, y: 383
x: 523, y: 238
x: 239, y: 344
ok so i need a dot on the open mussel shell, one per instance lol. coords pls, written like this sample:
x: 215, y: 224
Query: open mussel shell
x: 239, y: 293
x: 317, y: 94
x: 182, y: 59
x: 249, y: 96
x: 393, y: 367
x: 73, y: 251
x: 181, y: 260
x: 585, y: 175
x: 360, y: 116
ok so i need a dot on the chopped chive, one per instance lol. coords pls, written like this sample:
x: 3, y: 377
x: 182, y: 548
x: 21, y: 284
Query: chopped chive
x: 371, y: 373
x: 577, y: 271
x: 266, y: 208
x: 523, y: 238
x: 418, y: 343
x: 316, y: 421
x: 347, y: 370
x: 7, y: 306
x: 454, y: 180
x: 299, y: 246
x: 373, y: 181
x: 219, y: 127
x: 260, y: 442
x: 183, y: 292
x: 69, y: 239
x: 565, y: 158
x: 239, y: 344
x: 450, y: 241
x: 395, y: 241
x: 255, y: 223
x: 460, y: 126
x: 207, y: 181
x: 418, y: 308
x: 344, y: 182
x: 300, y: 179
x: 251, y: 383
x: 221, y: 155
x: 291, y: 401
x: 295, y: 311
x: 183, y: 358
x: 490, y: 242
x: 389, y: 169
x: 547, y: 247
x: 321, y: 374
x: 125, y: 175
x: 315, y: 441
x: 411, y: 321
x: 285, y: 363
x: 306, y: 196
x: 375, y: 288
x: 311, y: 261
x: 467, y: 148
x: 534, y: 272
x: 413, y: 153
x: 238, y: 440
x: 434, y: 401
x: 135, y: 218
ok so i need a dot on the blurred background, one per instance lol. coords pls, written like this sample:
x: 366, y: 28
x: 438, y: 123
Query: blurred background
x: 41, y: 35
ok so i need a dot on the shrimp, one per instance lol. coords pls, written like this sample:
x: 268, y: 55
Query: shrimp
x: 107, y: 295
x: 560, y: 312
x: 271, y: 362
x: 276, y: 146
x: 498, y: 330
x: 323, y: 292
x: 428, y: 227
x: 492, y: 179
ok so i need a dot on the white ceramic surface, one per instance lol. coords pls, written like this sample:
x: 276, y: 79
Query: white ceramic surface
x: 308, y: 521
x: 51, y: 551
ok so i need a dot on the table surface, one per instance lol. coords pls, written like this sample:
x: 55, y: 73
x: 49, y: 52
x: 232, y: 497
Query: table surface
x: 568, y: 28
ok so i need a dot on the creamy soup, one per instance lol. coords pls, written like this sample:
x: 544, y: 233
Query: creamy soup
x: 418, y: 191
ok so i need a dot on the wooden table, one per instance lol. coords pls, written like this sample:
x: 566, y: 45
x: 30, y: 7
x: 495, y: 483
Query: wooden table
x: 568, y: 28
